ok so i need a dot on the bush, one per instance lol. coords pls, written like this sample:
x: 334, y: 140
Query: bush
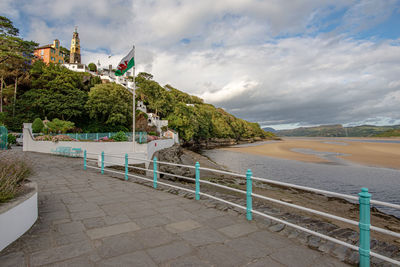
x: 37, y: 125
x: 60, y: 126
x: 92, y: 67
x: 54, y: 139
x: 12, y: 139
x: 120, y: 137
x: 152, y: 133
x: 13, y: 171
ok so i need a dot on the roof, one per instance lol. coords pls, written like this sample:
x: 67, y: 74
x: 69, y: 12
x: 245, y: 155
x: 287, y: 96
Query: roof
x: 44, y: 46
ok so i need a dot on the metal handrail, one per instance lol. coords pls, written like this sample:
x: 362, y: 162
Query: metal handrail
x: 198, y: 180
x: 305, y: 188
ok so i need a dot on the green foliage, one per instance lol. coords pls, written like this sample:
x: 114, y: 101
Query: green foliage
x: 199, y: 122
x: 120, y: 137
x: 56, y: 92
x: 110, y: 104
x: 66, y: 53
x: 37, y: 125
x: 389, y: 133
x: 13, y: 50
x: 92, y: 67
x: 59, y: 126
x: 2, y: 118
x: 11, y: 139
x: 152, y: 133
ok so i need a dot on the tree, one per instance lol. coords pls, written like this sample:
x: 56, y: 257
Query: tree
x: 56, y: 92
x: 15, y: 58
x: 110, y: 104
x: 92, y: 67
x: 37, y: 125
x: 59, y: 126
x: 13, y: 48
x: 66, y: 53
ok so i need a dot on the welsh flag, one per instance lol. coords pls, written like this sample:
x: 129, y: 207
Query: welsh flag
x: 126, y: 63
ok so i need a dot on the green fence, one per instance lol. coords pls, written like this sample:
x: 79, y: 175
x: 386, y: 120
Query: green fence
x: 140, y: 137
x: 3, y: 138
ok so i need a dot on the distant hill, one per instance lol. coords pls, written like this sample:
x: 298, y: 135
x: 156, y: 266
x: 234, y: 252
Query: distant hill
x: 390, y: 133
x: 269, y: 129
x: 337, y: 130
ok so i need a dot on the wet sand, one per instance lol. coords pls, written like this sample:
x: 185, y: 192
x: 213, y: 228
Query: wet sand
x: 302, y: 149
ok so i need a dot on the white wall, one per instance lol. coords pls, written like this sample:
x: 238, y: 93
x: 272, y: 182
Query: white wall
x: 142, y: 151
x: 157, y: 145
x: 17, y: 220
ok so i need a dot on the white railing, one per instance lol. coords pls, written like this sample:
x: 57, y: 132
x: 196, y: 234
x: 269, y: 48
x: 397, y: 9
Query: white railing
x: 364, y: 200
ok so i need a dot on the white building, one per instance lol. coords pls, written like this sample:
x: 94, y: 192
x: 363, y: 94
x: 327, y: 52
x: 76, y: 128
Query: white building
x: 76, y: 67
x: 154, y: 120
x: 141, y: 106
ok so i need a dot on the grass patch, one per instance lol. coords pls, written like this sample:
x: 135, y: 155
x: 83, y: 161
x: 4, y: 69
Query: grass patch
x: 13, y: 172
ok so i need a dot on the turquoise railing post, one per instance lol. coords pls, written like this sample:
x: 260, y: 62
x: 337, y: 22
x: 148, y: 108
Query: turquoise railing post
x: 364, y: 225
x: 86, y: 137
x: 97, y: 136
x: 126, y: 167
x: 76, y: 136
x: 140, y: 137
x: 102, y: 162
x: 249, y: 202
x: 84, y: 160
x: 155, y: 172
x: 109, y: 134
x: 197, y: 170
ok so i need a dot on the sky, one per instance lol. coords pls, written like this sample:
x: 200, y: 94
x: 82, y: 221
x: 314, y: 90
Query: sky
x: 283, y: 64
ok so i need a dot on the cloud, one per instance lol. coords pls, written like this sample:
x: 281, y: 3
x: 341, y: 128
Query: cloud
x: 231, y: 90
x: 299, y: 80
x: 274, y: 62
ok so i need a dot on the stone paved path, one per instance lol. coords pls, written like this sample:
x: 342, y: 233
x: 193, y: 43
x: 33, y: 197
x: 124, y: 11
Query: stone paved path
x: 89, y: 219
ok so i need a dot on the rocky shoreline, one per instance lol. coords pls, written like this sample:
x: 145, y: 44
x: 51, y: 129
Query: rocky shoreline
x: 382, y: 244
x: 224, y: 142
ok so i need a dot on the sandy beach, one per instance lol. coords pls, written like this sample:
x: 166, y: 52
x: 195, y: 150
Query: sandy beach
x: 302, y: 149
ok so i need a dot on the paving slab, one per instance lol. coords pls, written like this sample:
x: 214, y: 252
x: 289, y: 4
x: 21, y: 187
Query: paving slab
x: 60, y: 253
x: 238, y: 229
x: 115, y: 229
x: 118, y: 245
x: 139, y: 258
x: 89, y: 219
x: 169, y: 252
x: 182, y: 226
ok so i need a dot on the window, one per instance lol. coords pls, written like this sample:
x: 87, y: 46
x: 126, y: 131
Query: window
x: 42, y: 52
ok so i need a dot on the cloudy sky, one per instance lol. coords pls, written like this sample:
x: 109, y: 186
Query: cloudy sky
x: 280, y: 63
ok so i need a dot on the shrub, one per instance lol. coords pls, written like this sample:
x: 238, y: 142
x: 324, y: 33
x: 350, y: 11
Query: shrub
x: 37, y: 125
x: 60, y: 126
x: 152, y: 133
x: 54, y: 139
x: 92, y: 67
x: 106, y: 139
x: 120, y: 137
x: 13, y: 171
x: 12, y: 139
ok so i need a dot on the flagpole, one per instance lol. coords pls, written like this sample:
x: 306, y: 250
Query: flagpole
x: 133, y: 104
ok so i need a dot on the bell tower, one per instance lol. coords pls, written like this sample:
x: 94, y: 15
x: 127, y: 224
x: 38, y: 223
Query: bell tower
x: 75, y: 53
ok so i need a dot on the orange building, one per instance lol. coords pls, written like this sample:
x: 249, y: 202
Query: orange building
x: 50, y: 53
